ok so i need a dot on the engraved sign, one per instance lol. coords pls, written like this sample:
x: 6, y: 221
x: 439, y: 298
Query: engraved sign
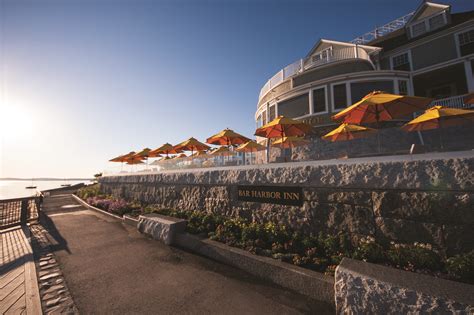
x: 291, y: 196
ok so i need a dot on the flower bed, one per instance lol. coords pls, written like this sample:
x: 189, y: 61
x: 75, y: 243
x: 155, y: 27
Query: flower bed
x: 317, y: 252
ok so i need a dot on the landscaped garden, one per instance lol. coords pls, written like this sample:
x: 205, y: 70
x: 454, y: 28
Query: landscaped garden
x: 320, y: 252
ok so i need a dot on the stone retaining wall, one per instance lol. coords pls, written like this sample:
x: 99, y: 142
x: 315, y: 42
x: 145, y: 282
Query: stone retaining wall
x: 363, y: 288
x: 427, y: 198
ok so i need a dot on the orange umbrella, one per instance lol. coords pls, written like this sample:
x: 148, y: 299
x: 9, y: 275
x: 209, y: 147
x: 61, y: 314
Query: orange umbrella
x: 179, y: 156
x: 122, y: 158
x: 221, y: 151
x: 469, y: 99
x: 289, y: 142
x: 199, y: 154
x: 378, y: 106
x: 440, y: 117
x: 250, y: 146
x: 192, y: 145
x: 166, y: 149
x: 227, y: 137
x: 283, y: 127
x: 348, y: 132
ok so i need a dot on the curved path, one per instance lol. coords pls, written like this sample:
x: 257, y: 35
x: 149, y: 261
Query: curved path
x: 111, y: 268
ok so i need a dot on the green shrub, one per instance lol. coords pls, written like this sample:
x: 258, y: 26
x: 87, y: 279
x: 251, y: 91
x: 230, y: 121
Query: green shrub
x: 461, y: 267
x: 89, y: 191
x: 413, y: 257
x: 369, y: 250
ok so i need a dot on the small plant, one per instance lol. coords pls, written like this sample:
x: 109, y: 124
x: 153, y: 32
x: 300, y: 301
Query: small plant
x: 89, y: 191
x: 461, y: 267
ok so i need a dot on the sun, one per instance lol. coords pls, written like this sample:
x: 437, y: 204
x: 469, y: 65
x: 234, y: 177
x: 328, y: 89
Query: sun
x: 16, y: 121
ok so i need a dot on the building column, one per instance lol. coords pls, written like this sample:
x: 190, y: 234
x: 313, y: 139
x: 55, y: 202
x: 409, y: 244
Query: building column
x: 469, y: 76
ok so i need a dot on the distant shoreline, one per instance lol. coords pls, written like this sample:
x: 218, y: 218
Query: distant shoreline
x: 44, y: 179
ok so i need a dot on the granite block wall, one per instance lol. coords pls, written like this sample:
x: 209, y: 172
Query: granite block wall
x: 429, y: 199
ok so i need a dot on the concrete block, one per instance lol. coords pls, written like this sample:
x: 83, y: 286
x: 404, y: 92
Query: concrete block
x: 161, y: 227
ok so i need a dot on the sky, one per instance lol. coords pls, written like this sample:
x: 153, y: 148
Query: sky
x: 84, y: 81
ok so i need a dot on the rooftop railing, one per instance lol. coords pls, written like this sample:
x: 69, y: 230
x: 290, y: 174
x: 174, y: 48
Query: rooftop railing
x: 312, y: 62
x: 453, y: 101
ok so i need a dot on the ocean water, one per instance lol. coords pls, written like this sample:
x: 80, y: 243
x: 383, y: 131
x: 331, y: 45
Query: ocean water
x: 16, y: 188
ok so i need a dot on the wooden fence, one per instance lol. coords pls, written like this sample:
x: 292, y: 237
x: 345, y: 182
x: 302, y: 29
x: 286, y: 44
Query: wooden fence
x: 18, y: 211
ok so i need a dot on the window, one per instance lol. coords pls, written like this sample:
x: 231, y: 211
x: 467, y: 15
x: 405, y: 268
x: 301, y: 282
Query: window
x: 272, y: 113
x: 418, y: 29
x: 436, y: 21
x: 361, y: 89
x: 402, y: 87
x: 340, y: 96
x: 466, y: 42
x: 319, y: 100
x: 264, y: 117
x: 401, y: 62
x: 259, y: 121
x: 294, y: 107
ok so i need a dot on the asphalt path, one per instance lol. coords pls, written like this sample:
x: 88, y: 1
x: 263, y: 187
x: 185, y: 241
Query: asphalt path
x: 111, y: 268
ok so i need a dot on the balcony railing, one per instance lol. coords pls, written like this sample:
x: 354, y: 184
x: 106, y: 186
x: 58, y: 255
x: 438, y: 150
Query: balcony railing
x: 309, y: 63
x: 18, y: 211
x: 453, y: 101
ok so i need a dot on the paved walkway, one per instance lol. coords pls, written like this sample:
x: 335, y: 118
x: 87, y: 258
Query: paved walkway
x: 18, y: 282
x: 111, y: 268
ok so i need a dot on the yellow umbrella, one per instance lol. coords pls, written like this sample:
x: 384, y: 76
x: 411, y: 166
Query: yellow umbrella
x: 192, y: 145
x: 166, y: 149
x: 378, y: 106
x: 227, y: 137
x: 179, y: 156
x: 250, y: 146
x: 122, y: 158
x: 199, y: 154
x: 221, y: 151
x: 283, y: 127
x: 288, y: 142
x: 440, y: 117
x: 348, y: 132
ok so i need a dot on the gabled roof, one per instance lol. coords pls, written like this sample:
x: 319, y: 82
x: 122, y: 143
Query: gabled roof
x: 399, y: 37
x: 327, y: 41
x: 425, y: 5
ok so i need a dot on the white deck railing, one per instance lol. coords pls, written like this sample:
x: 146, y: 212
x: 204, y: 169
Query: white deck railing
x: 453, y: 101
x: 309, y: 63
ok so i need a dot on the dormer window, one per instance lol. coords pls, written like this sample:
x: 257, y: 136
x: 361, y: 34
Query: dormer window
x: 418, y: 29
x: 428, y: 24
x: 437, y: 21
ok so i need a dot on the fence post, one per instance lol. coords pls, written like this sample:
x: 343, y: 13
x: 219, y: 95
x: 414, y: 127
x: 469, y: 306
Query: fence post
x: 24, y: 212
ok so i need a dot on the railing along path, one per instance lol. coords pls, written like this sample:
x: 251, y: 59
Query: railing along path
x: 18, y: 211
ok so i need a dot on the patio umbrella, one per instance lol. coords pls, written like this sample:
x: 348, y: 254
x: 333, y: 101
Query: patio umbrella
x: 166, y: 149
x: 192, y: 145
x: 145, y: 154
x: 199, y: 154
x: 283, y: 127
x: 348, y: 132
x: 378, y: 106
x: 122, y: 158
x: 289, y: 142
x: 440, y: 117
x: 221, y: 151
x: 227, y: 137
x: 179, y: 156
x: 250, y: 146
x: 157, y: 162
x: 469, y: 99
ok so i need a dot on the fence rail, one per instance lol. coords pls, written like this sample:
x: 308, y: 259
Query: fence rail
x: 18, y: 211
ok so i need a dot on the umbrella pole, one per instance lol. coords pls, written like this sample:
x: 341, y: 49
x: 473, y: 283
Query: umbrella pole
x: 377, y: 118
